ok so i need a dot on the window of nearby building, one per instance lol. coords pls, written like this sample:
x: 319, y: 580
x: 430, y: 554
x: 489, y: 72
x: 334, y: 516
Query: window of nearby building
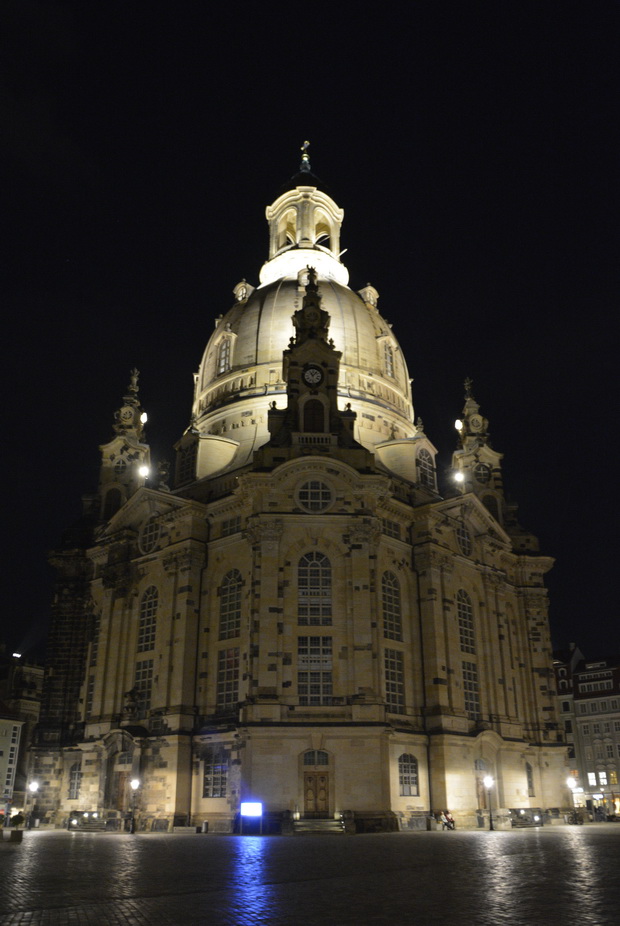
x: 390, y: 597
x: 316, y: 757
x: 529, y: 774
x: 592, y: 779
x: 90, y: 696
x: 583, y: 708
x: 566, y: 705
x: 609, y: 749
x: 426, y: 470
x: 465, y: 614
x: 613, y: 777
x: 602, y: 778
x: 614, y: 705
x: 215, y: 774
x: 314, y: 674
x: 606, y: 728
x: 314, y: 589
x: 314, y: 495
x: 618, y: 748
x: 230, y: 604
x: 585, y: 729
x: 227, y: 694
x: 75, y: 780
x: 616, y: 726
x: 148, y: 620
x: 568, y: 726
x: 408, y: 774
x: 394, y: 681
x: 223, y: 356
x: 470, y: 688
x: 596, y: 728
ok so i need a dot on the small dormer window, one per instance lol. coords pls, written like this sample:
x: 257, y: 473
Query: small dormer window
x: 426, y: 470
x: 223, y: 356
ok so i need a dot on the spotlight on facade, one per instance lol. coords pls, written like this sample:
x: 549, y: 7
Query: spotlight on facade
x: 458, y: 424
x: 459, y: 476
x: 143, y: 471
x: 144, y: 417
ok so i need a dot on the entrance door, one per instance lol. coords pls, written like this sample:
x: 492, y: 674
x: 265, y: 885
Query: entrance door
x: 316, y: 794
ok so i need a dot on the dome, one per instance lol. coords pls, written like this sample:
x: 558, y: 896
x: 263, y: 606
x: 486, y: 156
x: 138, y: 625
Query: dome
x: 240, y: 375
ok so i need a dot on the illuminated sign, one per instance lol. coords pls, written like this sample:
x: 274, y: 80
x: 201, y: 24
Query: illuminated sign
x: 251, y: 809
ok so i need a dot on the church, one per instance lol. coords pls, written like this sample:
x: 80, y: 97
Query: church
x: 293, y: 615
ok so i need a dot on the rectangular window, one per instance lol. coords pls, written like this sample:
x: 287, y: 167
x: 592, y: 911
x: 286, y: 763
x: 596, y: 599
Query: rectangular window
x: 394, y: 682
x: 583, y: 708
x: 90, y: 695
x: 470, y: 688
x: 143, y: 684
x: 231, y: 526
x: 227, y: 696
x: 592, y: 779
x: 602, y: 778
x: 314, y: 670
x: 215, y: 776
x: 613, y: 777
x: 586, y: 729
x: 568, y: 727
x: 596, y: 728
x: 616, y: 726
x: 609, y: 749
x: 606, y: 728
x: 391, y: 528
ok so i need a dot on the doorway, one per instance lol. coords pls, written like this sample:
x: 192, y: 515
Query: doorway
x: 316, y: 795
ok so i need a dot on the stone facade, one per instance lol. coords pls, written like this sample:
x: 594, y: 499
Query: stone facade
x: 303, y: 620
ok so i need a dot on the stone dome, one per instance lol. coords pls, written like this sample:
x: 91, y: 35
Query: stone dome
x: 240, y: 375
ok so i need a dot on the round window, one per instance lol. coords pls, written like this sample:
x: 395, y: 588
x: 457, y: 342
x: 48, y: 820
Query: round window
x: 314, y: 495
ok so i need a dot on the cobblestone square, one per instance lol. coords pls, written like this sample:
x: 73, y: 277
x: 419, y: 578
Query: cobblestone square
x: 555, y: 875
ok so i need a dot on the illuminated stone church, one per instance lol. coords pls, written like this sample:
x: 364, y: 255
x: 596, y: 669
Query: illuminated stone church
x: 294, y: 615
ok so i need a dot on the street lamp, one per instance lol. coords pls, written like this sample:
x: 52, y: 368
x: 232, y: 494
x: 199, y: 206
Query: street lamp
x: 33, y: 787
x: 488, y: 782
x: 134, y: 784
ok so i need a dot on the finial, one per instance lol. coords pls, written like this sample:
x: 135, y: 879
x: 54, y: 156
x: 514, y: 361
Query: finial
x: 305, y: 158
x: 311, y: 285
x: 133, y: 384
x: 468, y: 387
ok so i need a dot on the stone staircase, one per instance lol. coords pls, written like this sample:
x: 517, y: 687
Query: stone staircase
x: 328, y: 827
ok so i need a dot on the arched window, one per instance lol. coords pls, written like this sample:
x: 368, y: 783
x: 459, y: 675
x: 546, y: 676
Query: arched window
x: 223, y: 356
x: 316, y: 757
x: 408, y: 774
x: 148, y: 620
x: 314, y: 417
x: 426, y: 470
x: 390, y: 596
x: 230, y: 605
x: 75, y: 780
x: 113, y: 501
x: 314, y: 589
x: 465, y: 614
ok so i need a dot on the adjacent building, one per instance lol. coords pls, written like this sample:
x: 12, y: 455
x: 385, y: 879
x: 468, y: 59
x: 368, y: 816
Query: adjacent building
x: 300, y: 618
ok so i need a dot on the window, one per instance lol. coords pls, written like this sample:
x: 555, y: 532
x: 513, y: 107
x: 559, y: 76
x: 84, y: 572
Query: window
x: 490, y: 503
x: 149, y: 536
x: 394, y: 682
x: 143, y: 683
x: 426, y: 470
x: 609, y: 749
x: 602, y: 778
x: 583, y: 708
x: 529, y: 774
x: 391, y: 528
x: 314, y: 589
x: 613, y: 777
x: 463, y: 538
x: 316, y: 757
x: 314, y: 496
x: 227, y: 695
x: 408, y: 774
x: 566, y: 705
x: 596, y: 728
x: 231, y: 526
x: 585, y: 729
x: 592, y: 779
x: 470, y: 688
x: 148, y: 617
x: 568, y: 726
x: 465, y: 614
x: 75, y: 779
x: 606, y: 728
x: 314, y: 417
x: 215, y: 776
x: 223, y: 356
x: 388, y: 358
x: 187, y: 462
x: 616, y: 726
x: 390, y: 593
x: 230, y: 605
x: 314, y: 675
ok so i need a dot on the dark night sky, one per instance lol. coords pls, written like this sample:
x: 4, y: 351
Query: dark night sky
x: 474, y: 149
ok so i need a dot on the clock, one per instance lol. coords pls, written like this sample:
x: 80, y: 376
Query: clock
x: 475, y: 422
x: 313, y: 316
x: 126, y: 413
x: 313, y: 375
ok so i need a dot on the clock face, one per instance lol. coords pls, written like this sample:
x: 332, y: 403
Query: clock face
x: 475, y: 422
x: 313, y: 376
x: 126, y: 414
x: 313, y: 317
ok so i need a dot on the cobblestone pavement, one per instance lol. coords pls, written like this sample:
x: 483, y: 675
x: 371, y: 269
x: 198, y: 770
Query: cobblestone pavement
x: 568, y: 875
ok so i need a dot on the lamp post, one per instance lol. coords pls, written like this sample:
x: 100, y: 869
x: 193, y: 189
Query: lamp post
x: 33, y: 787
x: 134, y: 784
x: 488, y: 782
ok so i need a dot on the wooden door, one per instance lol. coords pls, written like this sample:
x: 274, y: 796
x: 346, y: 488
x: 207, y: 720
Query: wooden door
x: 316, y: 794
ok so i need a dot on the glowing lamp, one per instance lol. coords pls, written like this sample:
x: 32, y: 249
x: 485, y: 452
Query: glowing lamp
x: 571, y: 782
x: 459, y: 476
x: 33, y: 787
x: 17, y: 655
x: 488, y: 781
x: 144, y: 471
x: 134, y: 784
x: 144, y: 417
x: 251, y: 809
x: 458, y: 424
